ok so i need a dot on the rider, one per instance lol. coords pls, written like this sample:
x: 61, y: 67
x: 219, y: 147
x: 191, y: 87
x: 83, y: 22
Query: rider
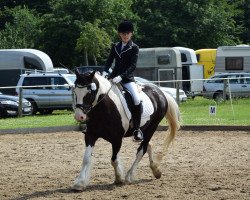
x: 125, y: 54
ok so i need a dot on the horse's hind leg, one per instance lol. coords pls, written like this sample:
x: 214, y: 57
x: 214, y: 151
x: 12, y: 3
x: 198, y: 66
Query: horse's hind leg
x: 153, y: 164
x: 116, y: 163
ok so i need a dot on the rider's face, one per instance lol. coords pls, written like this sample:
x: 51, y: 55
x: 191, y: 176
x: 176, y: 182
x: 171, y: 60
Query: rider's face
x: 125, y: 37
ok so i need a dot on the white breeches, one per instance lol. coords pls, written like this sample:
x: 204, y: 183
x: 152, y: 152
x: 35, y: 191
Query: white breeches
x: 133, y: 89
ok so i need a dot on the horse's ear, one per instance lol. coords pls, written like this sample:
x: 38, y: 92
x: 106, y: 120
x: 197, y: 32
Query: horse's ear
x: 77, y: 73
x: 92, y: 75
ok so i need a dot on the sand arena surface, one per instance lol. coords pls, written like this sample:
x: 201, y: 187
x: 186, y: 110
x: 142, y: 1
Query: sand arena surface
x: 207, y: 165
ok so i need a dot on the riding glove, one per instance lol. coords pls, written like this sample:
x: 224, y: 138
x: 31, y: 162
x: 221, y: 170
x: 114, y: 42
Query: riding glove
x: 104, y: 74
x: 117, y: 79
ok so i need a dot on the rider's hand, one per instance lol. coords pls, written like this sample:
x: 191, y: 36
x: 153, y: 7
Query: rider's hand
x: 117, y: 79
x: 104, y: 74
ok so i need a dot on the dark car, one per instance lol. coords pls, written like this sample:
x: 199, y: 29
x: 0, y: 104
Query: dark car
x: 9, y: 106
x: 84, y: 69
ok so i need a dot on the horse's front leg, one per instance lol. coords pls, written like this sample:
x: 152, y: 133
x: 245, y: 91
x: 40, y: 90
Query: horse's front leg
x: 116, y: 163
x: 140, y: 152
x: 82, y: 180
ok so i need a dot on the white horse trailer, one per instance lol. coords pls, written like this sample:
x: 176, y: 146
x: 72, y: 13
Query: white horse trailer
x: 14, y: 62
x: 191, y: 71
x: 159, y: 64
x: 233, y: 59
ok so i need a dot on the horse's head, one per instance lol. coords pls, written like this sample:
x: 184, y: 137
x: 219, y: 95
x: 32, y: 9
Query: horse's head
x: 86, y: 88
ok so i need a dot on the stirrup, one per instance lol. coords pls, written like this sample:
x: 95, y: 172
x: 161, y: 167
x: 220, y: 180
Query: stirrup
x: 138, y: 135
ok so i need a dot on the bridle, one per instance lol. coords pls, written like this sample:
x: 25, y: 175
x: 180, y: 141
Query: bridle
x: 87, y: 107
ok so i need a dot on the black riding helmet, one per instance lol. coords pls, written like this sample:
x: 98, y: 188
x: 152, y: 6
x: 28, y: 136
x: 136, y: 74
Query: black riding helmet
x: 125, y: 27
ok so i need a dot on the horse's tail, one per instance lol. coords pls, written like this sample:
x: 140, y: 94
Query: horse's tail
x: 173, y: 118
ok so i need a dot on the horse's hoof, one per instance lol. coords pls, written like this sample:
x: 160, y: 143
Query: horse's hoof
x: 129, y: 179
x: 77, y: 188
x: 119, y: 182
x: 157, y: 174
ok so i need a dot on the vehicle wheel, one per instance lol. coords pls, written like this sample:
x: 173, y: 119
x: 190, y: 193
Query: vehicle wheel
x: 3, y: 113
x: 218, y: 97
x: 46, y: 111
x: 34, y: 107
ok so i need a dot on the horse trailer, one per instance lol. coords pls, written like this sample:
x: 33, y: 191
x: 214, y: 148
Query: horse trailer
x: 14, y: 62
x: 233, y: 59
x: 191, y: 71
x: 160, y: 64
x: 167, y: 64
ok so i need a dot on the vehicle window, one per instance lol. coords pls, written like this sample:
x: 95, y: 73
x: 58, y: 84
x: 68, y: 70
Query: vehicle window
x: 245, y: 80
x: 234, y: 79
x: 217, y: 79
x: 198, y: 57
x: 59, y: 81
x: 234, y: 63
x: 36, y: 81
x: 31, y: 63
x: 183, y: 57
x: 71, y: 79
x: 163, y: 59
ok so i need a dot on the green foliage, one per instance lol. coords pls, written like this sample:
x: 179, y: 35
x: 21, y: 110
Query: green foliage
x: 188, y: 23
x: 58, y: 26
x: 93, y: 40
x: 22, y: 32
x: 62, y: 27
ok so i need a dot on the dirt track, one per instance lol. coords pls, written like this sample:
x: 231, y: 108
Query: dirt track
x: 208, y: 165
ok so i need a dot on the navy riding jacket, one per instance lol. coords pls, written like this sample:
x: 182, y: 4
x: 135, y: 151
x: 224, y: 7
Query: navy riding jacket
x: 125, y: 61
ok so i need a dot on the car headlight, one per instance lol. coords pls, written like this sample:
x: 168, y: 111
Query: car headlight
x: 9, y: 102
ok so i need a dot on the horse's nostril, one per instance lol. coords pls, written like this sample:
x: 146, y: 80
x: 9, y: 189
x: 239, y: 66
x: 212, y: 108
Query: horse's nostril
x: 81, y: 117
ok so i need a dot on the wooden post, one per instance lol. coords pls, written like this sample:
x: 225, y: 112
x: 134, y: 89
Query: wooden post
x: 178, y: 92
x: 225, y: 81
x: 20, y: 106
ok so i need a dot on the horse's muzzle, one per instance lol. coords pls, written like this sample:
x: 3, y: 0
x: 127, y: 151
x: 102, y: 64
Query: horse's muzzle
x: 79, y: 115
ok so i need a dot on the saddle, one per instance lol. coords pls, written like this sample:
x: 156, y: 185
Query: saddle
x: 128, y: 105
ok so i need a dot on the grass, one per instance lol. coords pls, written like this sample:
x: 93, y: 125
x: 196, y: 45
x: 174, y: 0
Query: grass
x: 58, y: 118
x: 193, y: 112
x: 196, y: 112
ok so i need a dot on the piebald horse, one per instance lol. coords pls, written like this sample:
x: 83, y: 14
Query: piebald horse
x: 97, y: 101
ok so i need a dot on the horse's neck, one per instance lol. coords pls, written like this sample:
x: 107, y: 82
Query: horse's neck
x: 108, y: 88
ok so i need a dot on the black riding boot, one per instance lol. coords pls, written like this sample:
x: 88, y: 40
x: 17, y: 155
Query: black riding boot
x: 138, y: 135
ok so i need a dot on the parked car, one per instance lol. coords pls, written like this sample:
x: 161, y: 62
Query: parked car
x: 239, y: 85
x: 9, y: 106
x: 47, y: 91
x: 170, y: 91
x: 84, y: 69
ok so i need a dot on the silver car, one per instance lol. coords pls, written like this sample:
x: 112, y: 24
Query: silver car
x: 239, y: 85
x: 168, y: 90
x: 47, y: 91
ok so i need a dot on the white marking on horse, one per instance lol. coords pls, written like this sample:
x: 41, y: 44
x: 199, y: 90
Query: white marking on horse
x: 118, y: 167
x: 83, y: 179
x: 115, y: 98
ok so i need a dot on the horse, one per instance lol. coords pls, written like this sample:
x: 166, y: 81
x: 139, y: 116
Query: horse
x: 98, y: 101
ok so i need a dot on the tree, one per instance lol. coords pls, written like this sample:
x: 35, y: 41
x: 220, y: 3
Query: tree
x: 63, y: 26
x: 22, y: 32
x: 92, y: 41
x: 189, y: 23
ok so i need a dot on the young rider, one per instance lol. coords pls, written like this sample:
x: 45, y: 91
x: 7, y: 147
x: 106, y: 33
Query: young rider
x: 125, y: 54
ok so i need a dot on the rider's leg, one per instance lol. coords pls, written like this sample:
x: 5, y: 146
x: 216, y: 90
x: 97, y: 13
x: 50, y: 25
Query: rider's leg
x: 136, y: 114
